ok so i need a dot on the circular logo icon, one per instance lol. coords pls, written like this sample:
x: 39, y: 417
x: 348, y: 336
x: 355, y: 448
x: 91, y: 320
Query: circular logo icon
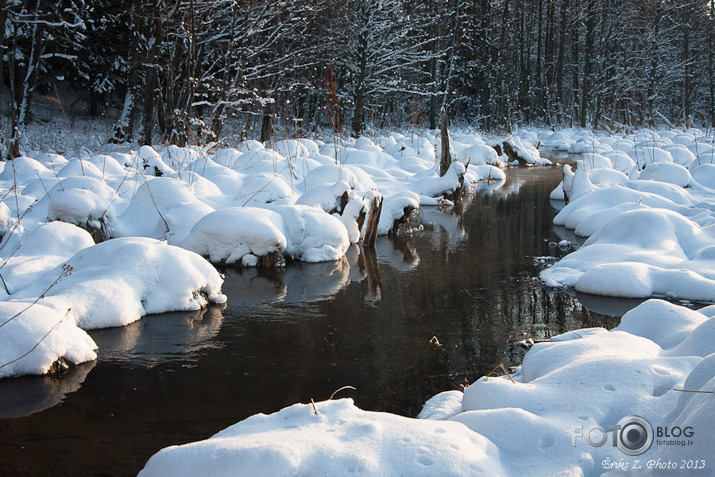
x: 635, y: 435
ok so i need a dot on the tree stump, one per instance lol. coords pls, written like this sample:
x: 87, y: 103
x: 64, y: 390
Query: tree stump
x: 373, y: 220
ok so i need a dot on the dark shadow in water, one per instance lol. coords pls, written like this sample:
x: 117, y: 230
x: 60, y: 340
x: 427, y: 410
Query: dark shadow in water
x: 302, y: 332
x: 27, y: 395
x: 605, y: 305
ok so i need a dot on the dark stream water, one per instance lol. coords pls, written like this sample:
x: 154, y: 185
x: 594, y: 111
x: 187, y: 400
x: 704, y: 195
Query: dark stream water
x: 303, y: 332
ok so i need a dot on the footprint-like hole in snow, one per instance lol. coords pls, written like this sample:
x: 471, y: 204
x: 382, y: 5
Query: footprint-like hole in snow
x: 546, y: 441
x: 609, y: 387
x: 425, y: 460
x: 660, y: 370
x: 439, y: 430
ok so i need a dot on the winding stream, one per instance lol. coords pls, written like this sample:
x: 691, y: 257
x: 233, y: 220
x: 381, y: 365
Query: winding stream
x: 290, y: 335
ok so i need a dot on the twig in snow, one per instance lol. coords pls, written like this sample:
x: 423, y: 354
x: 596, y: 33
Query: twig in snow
x: 66, y: 271
x: 338, y: 390
x: 41, y: 340
x: 503, y: 368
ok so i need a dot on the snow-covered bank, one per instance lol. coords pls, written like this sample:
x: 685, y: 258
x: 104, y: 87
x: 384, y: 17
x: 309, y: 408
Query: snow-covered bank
x: 647, y: 206
x: 110, y: 284
x: 531, y: 426
x: 102, y: 240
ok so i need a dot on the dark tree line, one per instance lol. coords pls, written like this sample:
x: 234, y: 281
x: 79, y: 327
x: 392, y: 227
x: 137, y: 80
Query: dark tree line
x: 178, y: 69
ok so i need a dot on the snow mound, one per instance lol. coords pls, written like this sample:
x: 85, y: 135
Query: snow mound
x: 25, y: 169
x: 312, y: 235
x: 30, y: 255
x: 83, y: 201
x: 640, y: 253
x: 242, y: 234
x: 499, y: 425
x: 340, y: 439
x: 228, y: 235
x: 116, y: 282
x: 644, y: 156
x: 667, y: 172
x: 53, y: 331
x: 162, y: 207
x: 704, y: 175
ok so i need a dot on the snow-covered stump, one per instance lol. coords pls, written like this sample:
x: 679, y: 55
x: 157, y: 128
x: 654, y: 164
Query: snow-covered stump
x: 521, y: 152
x: 373, y: 220
x: 507, y: 149
x: 240, y: 236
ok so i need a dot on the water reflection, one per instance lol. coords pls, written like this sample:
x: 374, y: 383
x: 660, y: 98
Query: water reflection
x: 296, y: 283
x: 368, y: 264
x: 398, y: 253
x: 28, y: 395
x: 487, y: 188
x: 160, y: 338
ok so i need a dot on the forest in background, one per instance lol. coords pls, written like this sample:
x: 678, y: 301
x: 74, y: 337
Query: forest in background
x: 177, y: 70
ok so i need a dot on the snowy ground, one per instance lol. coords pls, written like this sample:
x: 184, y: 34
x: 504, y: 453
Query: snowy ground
x: 100, y: 240
x: 647, y: 203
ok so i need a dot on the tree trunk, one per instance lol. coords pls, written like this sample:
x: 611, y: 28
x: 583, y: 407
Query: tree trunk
x: 267, y: 126
x: 123, y: 129
x: 687, y: 80
x: 560, y: 60
x: 587, y: 61
x: 359, y: 114
x: 151, y: 84
x: 445, y: 158
x: 23, y: 95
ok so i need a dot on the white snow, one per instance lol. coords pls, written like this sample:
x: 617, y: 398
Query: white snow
x: 652, y: 235
x: 340, y: 440
x: 64, y: 284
